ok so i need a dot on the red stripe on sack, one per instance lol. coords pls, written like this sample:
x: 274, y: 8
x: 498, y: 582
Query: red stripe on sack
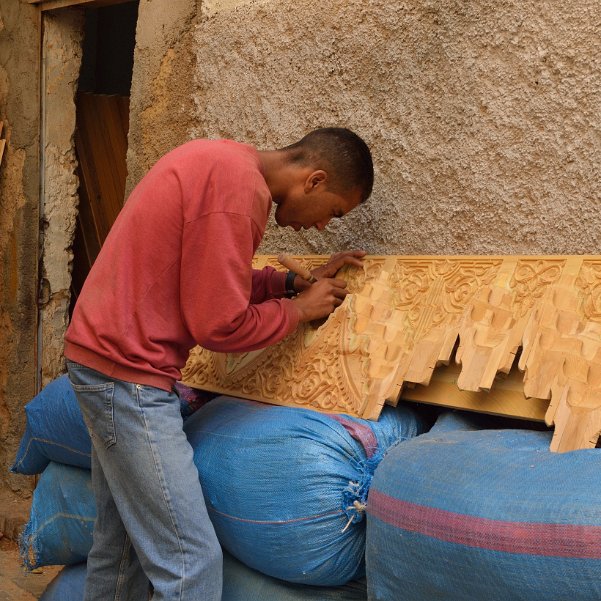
x: 532, y: 538
x: 364, y: 435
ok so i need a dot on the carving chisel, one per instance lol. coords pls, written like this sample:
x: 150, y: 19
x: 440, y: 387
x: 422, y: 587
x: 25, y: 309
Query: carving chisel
x: 296, y: 267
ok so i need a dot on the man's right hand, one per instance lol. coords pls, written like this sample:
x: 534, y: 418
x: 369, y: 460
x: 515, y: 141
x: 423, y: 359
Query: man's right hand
x: 320, y: 299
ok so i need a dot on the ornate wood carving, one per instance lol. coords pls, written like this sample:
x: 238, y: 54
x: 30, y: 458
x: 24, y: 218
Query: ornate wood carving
x: 403, y: 319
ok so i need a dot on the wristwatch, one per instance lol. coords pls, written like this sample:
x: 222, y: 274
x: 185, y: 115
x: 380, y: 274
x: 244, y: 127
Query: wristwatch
x: 290, y: 291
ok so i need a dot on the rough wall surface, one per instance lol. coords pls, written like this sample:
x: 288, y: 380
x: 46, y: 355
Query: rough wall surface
x: 484, y: 117
x: 162, y: 99
x: 19, y: 198
x: 63, y: 34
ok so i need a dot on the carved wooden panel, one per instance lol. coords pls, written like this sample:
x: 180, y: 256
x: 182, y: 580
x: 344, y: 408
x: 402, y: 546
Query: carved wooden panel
x: 403, y: 319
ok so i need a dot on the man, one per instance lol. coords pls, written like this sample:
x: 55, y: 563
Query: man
x: 175, y: 271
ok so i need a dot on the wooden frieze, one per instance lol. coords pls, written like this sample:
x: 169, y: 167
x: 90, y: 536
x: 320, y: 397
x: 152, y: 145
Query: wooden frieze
x: 407, y: 316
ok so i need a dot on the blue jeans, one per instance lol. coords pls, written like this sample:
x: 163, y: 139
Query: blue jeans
x: 152, y: 523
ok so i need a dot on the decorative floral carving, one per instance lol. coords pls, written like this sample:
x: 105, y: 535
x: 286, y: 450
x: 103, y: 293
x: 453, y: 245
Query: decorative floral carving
x: 589, y: 282
x: 531, y: 278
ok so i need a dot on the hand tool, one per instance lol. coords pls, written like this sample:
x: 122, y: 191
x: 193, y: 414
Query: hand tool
x: 296, y: 267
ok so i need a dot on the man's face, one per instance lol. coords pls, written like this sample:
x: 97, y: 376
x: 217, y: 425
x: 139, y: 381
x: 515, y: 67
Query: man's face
x: 313, y: 205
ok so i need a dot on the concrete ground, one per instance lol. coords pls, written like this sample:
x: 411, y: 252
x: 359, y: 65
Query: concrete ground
x: 15, y: 583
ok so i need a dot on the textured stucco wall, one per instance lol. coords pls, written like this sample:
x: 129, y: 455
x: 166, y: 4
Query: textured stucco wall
x: 162, y: 99
x: 484, y: 117
x: 19, y: 198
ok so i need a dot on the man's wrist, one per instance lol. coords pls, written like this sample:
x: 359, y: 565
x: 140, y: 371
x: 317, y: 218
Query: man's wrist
x: 300, y: 284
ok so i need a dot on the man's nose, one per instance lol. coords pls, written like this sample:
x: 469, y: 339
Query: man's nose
x: 320, y: 225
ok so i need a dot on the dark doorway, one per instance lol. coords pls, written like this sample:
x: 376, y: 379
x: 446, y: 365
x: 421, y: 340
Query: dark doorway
x: 101, y: 129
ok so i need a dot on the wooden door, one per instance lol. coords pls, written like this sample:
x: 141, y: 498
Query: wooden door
x: 101, y: 145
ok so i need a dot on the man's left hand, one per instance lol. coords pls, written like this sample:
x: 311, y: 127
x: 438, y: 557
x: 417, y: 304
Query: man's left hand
x: 338, y: 260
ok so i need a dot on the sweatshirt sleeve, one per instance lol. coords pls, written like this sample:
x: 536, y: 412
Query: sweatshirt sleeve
x: 217, y: 285
x: 267, y: 283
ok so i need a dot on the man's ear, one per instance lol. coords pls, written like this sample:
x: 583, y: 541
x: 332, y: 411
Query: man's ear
x: 315, y: 179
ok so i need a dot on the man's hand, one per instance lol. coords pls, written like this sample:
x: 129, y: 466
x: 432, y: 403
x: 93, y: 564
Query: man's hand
x: 320, y: 299
x: 338, y: 260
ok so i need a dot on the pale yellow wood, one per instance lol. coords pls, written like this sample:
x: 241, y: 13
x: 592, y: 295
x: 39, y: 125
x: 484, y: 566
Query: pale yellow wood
x: 401, y: 323
x: 505, y: 398
x: 562, y: 351
x: 333, y: 367
x: 577, y: 418
x: 491, y: 332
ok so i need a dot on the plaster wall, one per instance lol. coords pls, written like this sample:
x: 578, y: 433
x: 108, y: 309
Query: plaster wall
x: 484, y: 117
x: 162, y: 94
x: 19, y: 225
x: 63, y: 34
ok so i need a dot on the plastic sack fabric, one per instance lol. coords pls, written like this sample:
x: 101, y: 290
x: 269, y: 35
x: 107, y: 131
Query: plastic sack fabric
x: 67, y: 585
x: 449, y: 421
x: 54, y: 431
x: 61, y: 520
x: 491, y: 514
x: 240, y: 583
x: 286, y: 487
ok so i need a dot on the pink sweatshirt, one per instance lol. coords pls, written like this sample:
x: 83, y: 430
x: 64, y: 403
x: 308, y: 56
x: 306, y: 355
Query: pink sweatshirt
x: 175, y: 270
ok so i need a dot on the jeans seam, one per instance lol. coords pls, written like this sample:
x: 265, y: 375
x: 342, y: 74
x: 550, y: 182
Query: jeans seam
x: 163, y: 489
x: 121, y: 573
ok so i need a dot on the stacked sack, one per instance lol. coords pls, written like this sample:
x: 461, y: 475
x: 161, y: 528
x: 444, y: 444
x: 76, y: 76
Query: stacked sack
x: 279, y: 482
x: 292, y: 484
x: 240, y: 583
x: 56, y: 444
x: 462, y: 514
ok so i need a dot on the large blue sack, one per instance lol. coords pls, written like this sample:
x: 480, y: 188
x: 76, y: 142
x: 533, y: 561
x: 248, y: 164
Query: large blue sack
x: 54, y: 431
x: 67, y: 585
x: 240, y: 583
x: 451, y: 420
x: 493, y: 514
x: 286, y: 487
x: 61, y: 520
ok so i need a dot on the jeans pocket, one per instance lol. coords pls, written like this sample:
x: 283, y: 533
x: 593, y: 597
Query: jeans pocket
x: 96, y: 403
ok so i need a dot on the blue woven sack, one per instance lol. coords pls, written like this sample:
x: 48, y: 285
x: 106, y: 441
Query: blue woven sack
x: 448, y: 421
x: 67, y: 585
x: 54, y: 431
x: 240, y: 583
x: 491, y: 514
x: 61, y: 520
x: 286, y: 487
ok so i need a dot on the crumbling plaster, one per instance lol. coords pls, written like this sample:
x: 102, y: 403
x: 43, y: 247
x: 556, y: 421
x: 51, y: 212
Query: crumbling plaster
x: 19, y: 226
x: 63, y: 34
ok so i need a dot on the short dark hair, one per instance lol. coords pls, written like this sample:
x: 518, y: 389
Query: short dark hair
x: 340, y: 152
